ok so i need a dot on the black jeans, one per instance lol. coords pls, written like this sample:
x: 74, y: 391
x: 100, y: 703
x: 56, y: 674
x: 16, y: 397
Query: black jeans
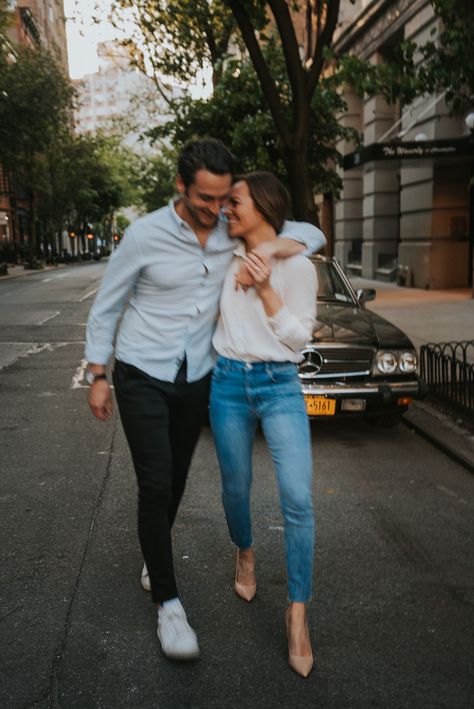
x: 162, y: 422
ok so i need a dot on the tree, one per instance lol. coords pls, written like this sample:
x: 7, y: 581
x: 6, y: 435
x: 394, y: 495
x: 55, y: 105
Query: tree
x: 187, y: 29
x: 251, y: 132
x: 155, y: 179
x: 291, y: 111
x: 448, y: 60
x: 35, y: 104
x: 177, y: 38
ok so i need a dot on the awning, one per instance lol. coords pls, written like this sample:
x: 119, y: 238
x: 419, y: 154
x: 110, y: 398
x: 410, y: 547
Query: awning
x: 410, y: 150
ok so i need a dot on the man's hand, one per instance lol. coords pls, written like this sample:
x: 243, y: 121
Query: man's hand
x: 100, y: 400
x: 243, y: 279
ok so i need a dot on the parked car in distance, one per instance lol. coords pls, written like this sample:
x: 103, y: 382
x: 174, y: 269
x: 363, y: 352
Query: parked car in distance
x: 357, y: 363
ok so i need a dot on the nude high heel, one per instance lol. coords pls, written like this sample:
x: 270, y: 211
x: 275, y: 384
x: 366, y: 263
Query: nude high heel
x: 246, y: 591
x: 301, y: 664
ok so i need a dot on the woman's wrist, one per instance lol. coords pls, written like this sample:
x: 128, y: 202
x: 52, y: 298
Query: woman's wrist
x: 270, y: 299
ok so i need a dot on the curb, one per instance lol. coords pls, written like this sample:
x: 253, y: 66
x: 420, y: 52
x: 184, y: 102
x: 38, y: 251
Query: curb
x: 442, y: 432
x: 28, y: 272
x: 47, y: 269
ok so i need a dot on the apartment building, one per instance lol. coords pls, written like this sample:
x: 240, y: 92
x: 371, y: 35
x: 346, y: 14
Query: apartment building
x: 118, y: 93
x: 405, y: 203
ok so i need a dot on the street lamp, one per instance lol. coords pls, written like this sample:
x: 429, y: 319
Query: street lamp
x: 469, y: 121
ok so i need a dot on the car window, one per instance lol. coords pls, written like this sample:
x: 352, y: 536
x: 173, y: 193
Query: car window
x: 331, y: 286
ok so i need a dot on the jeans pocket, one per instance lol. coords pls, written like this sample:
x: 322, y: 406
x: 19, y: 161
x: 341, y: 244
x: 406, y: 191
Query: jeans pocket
x: 283, y: 372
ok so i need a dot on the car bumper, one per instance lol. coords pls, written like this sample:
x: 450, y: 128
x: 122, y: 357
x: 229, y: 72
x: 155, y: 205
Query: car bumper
x: 377, y: 397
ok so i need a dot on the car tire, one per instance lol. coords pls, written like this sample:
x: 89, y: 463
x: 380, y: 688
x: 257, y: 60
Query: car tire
x: 384, y: 420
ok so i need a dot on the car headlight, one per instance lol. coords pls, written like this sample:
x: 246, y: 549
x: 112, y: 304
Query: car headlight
x: 386, y: 362
x: 407, y: 362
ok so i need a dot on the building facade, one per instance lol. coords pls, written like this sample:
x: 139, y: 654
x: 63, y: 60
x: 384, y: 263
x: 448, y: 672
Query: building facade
x: 404, y: 207
x: 118, y: 93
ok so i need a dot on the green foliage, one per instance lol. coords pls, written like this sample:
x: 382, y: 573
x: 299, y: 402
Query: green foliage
x: 448, y: 60
x: 90, y: 179
x: 155, y: 179
x: 69, y: 179
x: 444, y: 63
x: 250, y: 132
x: 35, y: 103
x: 177, y: 37
x: 122, y: 222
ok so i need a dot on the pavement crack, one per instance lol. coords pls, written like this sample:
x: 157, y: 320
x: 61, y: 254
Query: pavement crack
x: 54, y: 687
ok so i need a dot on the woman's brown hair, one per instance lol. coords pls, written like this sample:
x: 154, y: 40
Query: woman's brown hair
x: 269, y: 196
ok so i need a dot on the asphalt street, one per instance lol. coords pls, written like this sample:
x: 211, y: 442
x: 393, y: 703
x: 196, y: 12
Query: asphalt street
x: 393, y: 608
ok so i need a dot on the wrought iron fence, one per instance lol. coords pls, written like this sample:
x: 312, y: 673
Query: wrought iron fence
x: 448, y: 369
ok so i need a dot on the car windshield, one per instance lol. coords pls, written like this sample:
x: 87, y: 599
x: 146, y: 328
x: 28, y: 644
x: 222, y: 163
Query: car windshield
x: 332, y: 288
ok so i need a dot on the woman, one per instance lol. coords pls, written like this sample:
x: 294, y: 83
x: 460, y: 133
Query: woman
x: 258, y: 338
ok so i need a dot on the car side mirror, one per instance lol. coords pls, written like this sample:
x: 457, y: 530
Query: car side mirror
x: 365, y: 294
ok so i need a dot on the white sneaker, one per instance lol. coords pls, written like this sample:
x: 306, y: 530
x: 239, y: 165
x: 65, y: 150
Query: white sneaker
x: 178, y: 640
x: 145, y: 579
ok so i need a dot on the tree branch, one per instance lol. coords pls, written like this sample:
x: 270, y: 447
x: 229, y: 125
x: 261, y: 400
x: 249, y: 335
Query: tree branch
x: 261, y: 68
x: 296, y: 74
x: 324, y: 40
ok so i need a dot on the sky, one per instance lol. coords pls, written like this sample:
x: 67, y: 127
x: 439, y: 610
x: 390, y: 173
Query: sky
x: 83, y: 34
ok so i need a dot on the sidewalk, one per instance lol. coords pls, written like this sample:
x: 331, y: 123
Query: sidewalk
x: 430, y: 316
x: 15, y: 270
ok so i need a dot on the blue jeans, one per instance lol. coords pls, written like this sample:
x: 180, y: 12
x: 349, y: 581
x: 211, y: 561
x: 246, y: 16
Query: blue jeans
x: 242, y: 395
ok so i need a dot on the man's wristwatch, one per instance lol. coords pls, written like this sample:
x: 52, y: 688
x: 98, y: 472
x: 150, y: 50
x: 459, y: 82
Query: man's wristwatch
x: 91, y: 378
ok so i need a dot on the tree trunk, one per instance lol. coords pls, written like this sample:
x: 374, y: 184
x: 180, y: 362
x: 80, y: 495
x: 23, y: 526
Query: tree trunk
x: 32, y: 248
x: 301, y: 187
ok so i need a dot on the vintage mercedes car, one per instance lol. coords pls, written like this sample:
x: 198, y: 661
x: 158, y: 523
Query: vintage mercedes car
x: 357, y: 363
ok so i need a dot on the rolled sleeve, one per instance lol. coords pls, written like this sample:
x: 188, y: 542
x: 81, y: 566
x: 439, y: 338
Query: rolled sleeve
x: 293, y: 324
x: 306, y: 233
x: 288, y: 329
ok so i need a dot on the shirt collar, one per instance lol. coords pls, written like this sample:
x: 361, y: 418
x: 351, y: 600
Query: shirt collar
x: 240, y: 249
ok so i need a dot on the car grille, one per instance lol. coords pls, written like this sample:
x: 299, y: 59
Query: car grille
x: 324, y: 362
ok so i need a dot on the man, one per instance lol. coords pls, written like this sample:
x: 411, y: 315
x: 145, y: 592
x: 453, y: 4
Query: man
x: 169, y: 267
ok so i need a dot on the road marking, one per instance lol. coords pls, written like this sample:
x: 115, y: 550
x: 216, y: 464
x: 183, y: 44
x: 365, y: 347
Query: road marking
x: 79, y: 376
x: 449, y: 492
x: 88, y: 295
x: 46, y: 280
x: 50, y: 317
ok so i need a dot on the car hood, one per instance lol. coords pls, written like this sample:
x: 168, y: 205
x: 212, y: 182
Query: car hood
x: 352, y: 325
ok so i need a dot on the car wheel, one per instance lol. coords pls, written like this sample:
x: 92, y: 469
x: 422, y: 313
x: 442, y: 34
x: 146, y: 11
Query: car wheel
x: 384, y: 420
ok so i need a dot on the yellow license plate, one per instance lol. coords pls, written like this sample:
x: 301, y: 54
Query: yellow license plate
x: 319, y: 405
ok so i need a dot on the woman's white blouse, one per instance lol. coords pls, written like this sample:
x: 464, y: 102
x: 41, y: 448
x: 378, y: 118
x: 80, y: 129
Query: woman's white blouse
x: 245, y: 332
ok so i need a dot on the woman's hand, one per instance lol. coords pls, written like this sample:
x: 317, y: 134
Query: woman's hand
x: 260, y: 269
